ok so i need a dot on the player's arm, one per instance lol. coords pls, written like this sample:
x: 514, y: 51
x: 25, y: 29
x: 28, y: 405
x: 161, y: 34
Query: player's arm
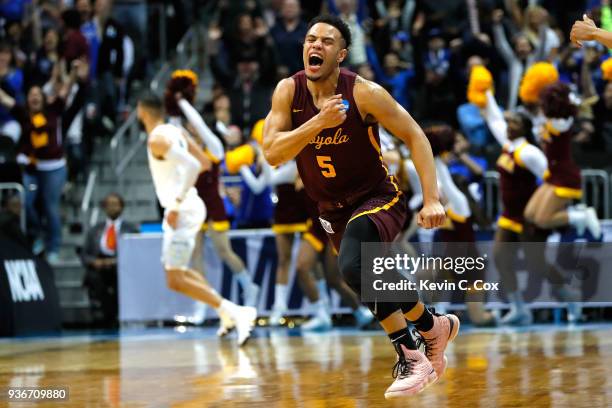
x: 413, y: 178
x: 373, y: 100
x: 285, y: 174
x: 257, y: 184
x: 164, y: 148
x: 586, y: 30
x: 534, y: 160
x: 457, y: 201
x: 496, y: 122
x: 196, y: 151
x: 280, y: 143
x: 212, y: 142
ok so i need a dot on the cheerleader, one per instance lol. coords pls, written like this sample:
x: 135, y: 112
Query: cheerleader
x: 520, y: 165
x: 549, y: 207
x: 458, y: 228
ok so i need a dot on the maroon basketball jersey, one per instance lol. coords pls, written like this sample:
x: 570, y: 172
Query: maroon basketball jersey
x: 516, y: 182
x: 562, y: 170
x: 339, y: 162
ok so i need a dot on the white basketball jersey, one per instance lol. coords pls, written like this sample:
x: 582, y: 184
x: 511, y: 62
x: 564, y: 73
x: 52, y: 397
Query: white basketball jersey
x: 168, y: 174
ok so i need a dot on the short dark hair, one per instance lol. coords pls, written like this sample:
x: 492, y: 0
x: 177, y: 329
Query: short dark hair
x: 71, y: 18
x: 335, y: 21
x: 113, y: 195
x: 151, y: 100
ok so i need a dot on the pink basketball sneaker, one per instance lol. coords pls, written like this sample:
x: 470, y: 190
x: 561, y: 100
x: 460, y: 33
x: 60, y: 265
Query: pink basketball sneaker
x: 412, y: 372
x: 436, y: 340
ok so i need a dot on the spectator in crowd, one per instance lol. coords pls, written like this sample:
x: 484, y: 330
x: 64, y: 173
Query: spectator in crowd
x: 254, y: 207
x: 392, y: 21
x: 105, y: 38
x: 450, y: 16
x: 602, y: 112
x: 518, y: 57
x: 45, y: 59
x: 74, y: 44
x: 77, y: 141
x: 99, y: 256
x: 249, y: 94
x: 438, y: 100
x: 19, y: 43
x: 353, y: 13
x: 468, y: 171
x: 83, y: 7
x: 222, y: 113
x: 539, y: 33
x: 42, y: 151
x: 10, y: 216
x: 395, y: 75
x: 9, y: 137
x: 11, y: 81
x: 250, y: 84
x: 288, y: 33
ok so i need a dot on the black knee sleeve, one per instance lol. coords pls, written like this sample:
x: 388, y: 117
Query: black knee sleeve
x: 362, y: 229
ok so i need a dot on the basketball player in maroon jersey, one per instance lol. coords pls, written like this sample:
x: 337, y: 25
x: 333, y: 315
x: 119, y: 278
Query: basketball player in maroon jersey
x: 327, y: 119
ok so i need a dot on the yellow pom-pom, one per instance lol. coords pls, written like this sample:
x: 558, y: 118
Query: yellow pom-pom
x: 257, y: 131
x: 236, y: 158
x: 537, y: 77
x: 477, y: 98
x: 480, y: 82
x: 186, y: 73
x: 606, y: 68
x: 480, y: 79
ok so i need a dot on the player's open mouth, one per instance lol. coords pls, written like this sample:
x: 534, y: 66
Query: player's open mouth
x: 315, y: 61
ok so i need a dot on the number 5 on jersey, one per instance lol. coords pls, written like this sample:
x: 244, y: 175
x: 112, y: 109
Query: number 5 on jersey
x: 327, y: 169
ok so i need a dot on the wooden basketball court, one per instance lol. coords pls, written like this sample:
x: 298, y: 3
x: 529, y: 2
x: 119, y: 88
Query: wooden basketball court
x: 543, y: 366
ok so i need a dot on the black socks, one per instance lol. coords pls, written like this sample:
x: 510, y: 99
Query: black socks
x: 402, y: 337
x: 425, y: 322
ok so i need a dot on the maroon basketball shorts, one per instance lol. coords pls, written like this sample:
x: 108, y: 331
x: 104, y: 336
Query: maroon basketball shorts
x: 387, y: 210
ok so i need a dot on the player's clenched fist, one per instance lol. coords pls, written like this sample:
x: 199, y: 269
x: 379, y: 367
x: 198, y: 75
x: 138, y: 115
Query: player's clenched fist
x: 432, y: 215
x: 583, y: 30
x: 333, y: 112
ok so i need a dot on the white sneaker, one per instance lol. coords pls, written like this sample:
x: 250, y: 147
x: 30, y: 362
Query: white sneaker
x: 226, y: 325
x: 363, y: 317
x: 38, y: 246
x: 592, y: 223
x: 574, y: 312
x: 251, y: 295
x: 320, y: 322
x: 577, y: 218
x: 517, y: 317
x: 278, y: 311
x: 199, y: 314
x: 244, y: 320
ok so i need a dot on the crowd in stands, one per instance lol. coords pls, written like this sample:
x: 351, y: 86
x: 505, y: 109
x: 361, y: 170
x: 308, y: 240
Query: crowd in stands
x: 63, y: 81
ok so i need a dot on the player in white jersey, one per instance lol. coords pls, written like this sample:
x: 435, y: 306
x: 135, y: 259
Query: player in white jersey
x: 175, y: 161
